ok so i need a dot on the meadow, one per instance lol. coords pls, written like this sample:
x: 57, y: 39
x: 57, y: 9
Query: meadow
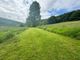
x: 7, y: 33
x: 48, y: 42
x: 71, y: 29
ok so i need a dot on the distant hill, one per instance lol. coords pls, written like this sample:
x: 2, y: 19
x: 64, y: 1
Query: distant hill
x: 70, y: 16
x: 8, y: 22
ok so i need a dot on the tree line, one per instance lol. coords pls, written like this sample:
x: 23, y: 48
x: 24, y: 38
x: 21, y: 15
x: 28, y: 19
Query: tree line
x: 70, y: 16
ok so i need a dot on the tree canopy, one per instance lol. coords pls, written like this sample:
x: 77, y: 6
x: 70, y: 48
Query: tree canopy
x: 34, y: 15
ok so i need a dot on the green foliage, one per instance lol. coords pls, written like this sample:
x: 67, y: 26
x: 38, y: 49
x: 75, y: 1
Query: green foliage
x: 43, y: 22
x: 75, y: 15
x: 22, y: 25
x: 52, y: 20
x: 34, y: 15
x: 70, y: 16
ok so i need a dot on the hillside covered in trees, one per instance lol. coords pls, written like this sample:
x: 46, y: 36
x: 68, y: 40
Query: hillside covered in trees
x: 70, y: 16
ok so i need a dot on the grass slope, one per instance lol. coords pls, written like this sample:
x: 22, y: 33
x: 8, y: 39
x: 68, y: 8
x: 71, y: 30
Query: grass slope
x: 7, y: 33
x: 38, y: 44
x: 71, y: 29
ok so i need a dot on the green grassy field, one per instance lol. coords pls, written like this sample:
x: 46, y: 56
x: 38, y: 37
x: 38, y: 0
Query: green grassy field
x: 71, y: 29
x: 42, y: 44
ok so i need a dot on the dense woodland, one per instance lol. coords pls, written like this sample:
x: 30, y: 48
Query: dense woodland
x: 70, y: 16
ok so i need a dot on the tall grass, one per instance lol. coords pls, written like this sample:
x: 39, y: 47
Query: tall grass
x: 71, y: 29
x: 9, y: 32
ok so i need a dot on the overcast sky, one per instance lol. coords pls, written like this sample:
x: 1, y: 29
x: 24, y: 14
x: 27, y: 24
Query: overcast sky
x: 19, y: 9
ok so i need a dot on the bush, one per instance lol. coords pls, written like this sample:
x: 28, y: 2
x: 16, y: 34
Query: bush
x: 78, y: 36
